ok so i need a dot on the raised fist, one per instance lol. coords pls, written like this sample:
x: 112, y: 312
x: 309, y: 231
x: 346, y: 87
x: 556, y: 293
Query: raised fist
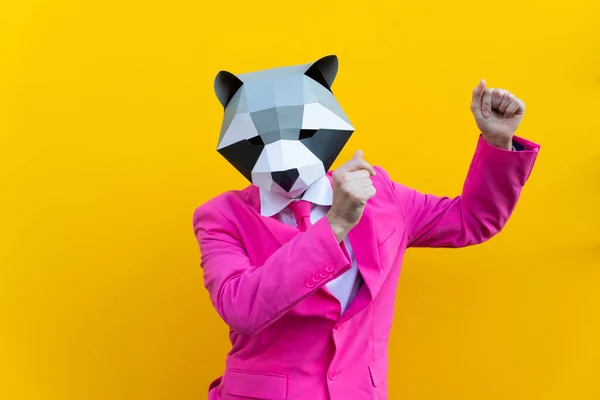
x: 498, y: 114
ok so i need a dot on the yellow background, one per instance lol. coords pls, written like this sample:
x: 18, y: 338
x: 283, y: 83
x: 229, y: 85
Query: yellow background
x: 108, y: 129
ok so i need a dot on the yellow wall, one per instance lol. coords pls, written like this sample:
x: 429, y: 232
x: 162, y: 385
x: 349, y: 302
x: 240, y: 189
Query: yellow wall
x: 108, y: 128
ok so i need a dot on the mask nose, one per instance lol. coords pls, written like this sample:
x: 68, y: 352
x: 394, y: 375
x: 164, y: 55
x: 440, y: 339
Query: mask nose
x: 285, y: 179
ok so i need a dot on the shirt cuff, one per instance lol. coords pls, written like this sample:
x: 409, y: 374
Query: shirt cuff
x: 516, y: 146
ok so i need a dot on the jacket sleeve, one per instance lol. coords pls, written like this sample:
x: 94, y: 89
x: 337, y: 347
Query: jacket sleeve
x: 251, y: 297
x: 489, y: 196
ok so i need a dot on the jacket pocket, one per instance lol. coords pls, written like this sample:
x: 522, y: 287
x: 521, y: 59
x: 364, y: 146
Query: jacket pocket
x: 378, y: 370
x: 385, y: 236
x: 390, y: 244
x: 256, y: 385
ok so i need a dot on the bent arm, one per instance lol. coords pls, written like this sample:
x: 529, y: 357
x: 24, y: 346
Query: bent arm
x: 251, y: 297
x: 489, y: 196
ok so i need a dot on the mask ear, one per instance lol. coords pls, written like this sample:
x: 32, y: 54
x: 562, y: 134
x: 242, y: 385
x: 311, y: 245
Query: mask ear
x: 226, y: 85
x: 324, y: 71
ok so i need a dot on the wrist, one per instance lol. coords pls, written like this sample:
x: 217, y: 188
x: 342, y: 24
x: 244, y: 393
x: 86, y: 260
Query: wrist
x: 501, y: 143
x: 340, y: 229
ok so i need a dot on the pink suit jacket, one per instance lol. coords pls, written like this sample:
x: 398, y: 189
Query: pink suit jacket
x: 267, y: 281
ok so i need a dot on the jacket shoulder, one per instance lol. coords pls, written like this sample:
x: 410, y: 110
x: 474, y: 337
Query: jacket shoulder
x: 382, y: 177
x: 223, y: 203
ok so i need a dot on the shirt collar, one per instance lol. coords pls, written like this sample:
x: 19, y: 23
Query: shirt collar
x: 319, y: 193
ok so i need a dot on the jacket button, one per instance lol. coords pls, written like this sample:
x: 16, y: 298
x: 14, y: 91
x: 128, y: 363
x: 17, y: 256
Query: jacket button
x: 310, y: 284
x: 316, y: 278
x: 333, y: 374
x: 329, y: 268
x: 338, y: 327
x: 324, y: 274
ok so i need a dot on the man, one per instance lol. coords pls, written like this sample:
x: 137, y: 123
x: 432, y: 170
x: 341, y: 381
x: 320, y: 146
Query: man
x: 303, y: 264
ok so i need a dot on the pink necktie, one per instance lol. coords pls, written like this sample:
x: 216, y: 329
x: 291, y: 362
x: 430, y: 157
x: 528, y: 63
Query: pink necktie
x: 301, y: 209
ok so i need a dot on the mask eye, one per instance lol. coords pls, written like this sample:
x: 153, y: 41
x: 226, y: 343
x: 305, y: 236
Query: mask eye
x: 256, y: 141
x: 307, y: 133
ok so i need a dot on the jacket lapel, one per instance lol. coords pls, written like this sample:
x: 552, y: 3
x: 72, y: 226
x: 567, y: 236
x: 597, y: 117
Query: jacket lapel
x: 364, y: 246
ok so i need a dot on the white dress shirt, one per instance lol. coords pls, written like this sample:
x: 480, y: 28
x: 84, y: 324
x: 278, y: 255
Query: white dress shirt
x: 320, y: 194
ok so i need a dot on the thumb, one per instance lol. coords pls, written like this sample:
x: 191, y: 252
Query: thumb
x: 358, y: 162
x: 478, y: 95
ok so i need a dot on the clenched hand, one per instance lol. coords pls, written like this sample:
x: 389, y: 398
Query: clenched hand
x: 352, y: 187
x: 498, y: 114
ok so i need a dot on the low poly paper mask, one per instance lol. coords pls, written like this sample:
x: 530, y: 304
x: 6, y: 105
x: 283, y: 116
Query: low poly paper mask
x: 283, y: 127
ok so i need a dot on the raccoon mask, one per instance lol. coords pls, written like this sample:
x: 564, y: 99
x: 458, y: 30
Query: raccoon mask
x: 283, y: 127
